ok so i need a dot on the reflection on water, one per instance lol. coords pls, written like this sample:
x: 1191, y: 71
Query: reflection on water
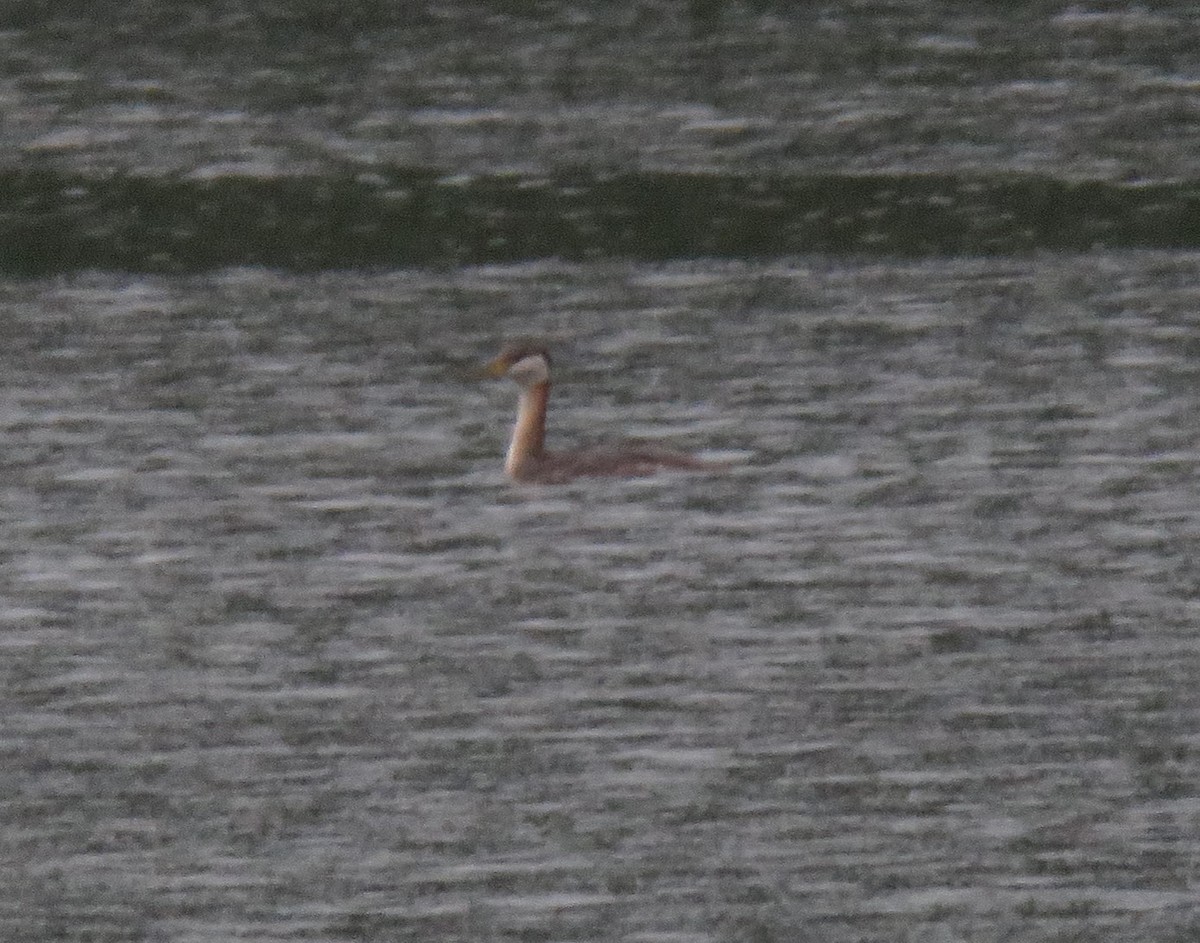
x: 284, y: 654
x: 405, y: 216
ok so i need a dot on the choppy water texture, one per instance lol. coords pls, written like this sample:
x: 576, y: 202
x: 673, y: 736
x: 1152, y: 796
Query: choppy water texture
x: 266, y: 87
x: 181, y: 136
x: 285, y: 657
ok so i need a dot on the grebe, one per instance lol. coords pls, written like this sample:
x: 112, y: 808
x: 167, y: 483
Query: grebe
x: 528, y: 364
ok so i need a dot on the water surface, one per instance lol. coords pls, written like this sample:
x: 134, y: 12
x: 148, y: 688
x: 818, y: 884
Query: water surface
x: 286, y: 657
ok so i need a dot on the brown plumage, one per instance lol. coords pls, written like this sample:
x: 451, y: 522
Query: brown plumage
x: 528, y: 365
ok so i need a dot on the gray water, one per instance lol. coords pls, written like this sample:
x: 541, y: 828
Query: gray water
x: 265, y: 88
x: 285, y: 656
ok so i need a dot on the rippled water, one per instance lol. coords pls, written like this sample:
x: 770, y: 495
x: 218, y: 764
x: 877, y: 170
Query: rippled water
x: 286, y: 657
x: 267, y: 87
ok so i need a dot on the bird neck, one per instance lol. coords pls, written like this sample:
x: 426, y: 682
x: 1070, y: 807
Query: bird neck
x: 529, y: 434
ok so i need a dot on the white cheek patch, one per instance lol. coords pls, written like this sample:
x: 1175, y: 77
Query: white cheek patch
x: 531, y: 369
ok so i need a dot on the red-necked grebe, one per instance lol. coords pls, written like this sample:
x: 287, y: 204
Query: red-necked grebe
x: 528, y: 365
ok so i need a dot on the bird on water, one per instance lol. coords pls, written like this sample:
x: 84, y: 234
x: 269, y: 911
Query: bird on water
x: 528, y: 365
